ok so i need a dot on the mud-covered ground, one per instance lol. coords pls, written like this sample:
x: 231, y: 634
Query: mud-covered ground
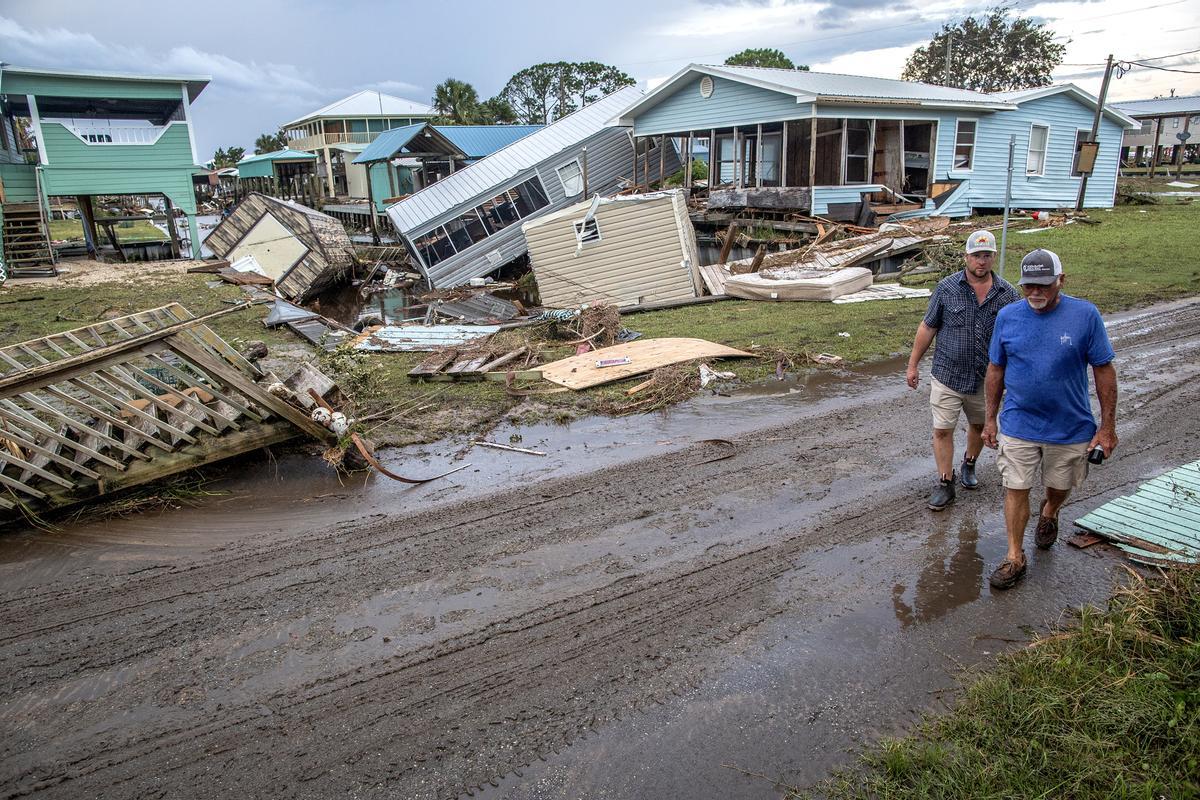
x: 636, y: 614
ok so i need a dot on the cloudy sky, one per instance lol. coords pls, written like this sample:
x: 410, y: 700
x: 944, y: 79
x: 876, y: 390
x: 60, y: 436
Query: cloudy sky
x: 271, y: 62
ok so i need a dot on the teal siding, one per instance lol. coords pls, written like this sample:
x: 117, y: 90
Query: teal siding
x: 257, y: 169
x: 64, y: 149
x: 77, y: 168
x: 731, y: 103
x: 20, y: 183
x: 1056, y: 188
x: 381, y: 188
x: 65, y: 86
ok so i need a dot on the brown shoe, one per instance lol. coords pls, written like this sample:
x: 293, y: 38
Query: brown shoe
x: 1007, y: 574
x: 1047, y: 532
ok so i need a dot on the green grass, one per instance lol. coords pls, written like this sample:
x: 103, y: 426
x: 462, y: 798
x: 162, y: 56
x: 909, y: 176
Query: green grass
x: 1107, y: 709
x: 130, y: 231
x: 1131, y: 259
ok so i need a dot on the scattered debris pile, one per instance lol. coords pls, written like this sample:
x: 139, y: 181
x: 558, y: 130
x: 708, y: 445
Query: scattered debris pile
x: 131, y: 400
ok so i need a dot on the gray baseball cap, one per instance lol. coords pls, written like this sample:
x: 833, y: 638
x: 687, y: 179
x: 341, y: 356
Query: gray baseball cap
x: 1040, y: 267
x: 981, y: 242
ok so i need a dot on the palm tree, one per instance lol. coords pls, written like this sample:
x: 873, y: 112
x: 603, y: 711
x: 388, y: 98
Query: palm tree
x: 270, y: 143
x: 456, y: 100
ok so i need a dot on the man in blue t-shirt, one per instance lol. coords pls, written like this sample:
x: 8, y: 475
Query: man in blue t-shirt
x: 1039, y: 357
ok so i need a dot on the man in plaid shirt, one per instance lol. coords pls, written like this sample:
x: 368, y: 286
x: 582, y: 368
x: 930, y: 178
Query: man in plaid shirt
x: 961, y: 314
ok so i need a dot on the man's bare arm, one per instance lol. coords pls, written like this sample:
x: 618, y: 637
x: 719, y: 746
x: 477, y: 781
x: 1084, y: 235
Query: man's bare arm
x: 993, y: 390
x: 1106, y: 390
x: 921, y: 344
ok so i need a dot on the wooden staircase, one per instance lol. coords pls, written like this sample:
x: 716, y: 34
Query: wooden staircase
x: 27, y: 251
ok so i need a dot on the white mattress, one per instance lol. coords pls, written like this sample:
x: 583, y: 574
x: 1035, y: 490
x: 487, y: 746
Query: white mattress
x: 816, y: 286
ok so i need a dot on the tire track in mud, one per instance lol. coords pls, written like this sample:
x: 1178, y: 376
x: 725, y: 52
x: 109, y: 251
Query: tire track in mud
x: 458, y: 713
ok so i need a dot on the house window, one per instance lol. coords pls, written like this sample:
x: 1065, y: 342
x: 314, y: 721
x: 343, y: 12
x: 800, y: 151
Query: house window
x: 587, y: 230
x: 1035, y: 160
x: 435, y: 246
x: 1175, y: 122
x: 531, y: 197
x: 858, y: 149
x: 571, y: 177
x: 1147, y: 126
x: 964, y: 144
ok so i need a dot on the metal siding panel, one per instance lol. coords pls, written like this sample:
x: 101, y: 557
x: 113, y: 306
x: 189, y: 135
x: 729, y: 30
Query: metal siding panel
x: 521, y: 156
x: 731, y: 103
x: 1056, y: 188
x: 66, y: 86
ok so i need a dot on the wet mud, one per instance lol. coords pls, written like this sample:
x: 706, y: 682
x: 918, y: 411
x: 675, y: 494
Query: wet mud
x: 637, y: 614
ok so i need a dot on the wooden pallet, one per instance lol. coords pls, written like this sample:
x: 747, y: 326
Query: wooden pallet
x: 452, y: 365
x: 126, y: 401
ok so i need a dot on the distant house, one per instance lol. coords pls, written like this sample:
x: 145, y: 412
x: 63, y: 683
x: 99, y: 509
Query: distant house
x: 1161, y: 123
x: 404, y: 160
x: 341, y: 130
x: 829, y: 143
x: 91, y: 134
x: 280, y: 164
x: 468, y: 224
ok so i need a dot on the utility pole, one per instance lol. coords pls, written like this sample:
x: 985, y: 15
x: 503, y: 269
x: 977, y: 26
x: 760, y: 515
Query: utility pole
x: 1012, y: 149
x: 949, y: 48
x: 1095, y: 130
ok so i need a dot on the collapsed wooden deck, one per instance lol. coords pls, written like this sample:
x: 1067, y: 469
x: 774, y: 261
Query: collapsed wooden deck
x: 126, y: 401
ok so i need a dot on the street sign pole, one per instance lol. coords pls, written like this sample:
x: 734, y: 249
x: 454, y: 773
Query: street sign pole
x: 1012, y: 148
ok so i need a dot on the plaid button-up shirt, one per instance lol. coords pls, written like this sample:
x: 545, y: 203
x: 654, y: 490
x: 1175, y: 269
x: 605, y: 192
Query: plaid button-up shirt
x: 964, y: 329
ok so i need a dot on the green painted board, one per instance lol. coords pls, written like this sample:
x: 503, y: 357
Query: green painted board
x: 1164, y: 511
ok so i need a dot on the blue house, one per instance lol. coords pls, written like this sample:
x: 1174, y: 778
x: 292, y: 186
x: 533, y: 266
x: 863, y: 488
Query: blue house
x: 829, y: 143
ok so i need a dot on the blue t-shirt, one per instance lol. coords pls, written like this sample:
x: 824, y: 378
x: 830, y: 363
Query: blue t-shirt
x: 1045, y: 359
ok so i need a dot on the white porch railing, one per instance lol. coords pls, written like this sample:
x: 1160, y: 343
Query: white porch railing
x: 317, y: 141
x: 118, y: 134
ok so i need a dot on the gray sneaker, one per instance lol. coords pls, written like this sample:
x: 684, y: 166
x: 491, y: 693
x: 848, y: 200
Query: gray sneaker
x: 943, y: 494
x: 966, y: 475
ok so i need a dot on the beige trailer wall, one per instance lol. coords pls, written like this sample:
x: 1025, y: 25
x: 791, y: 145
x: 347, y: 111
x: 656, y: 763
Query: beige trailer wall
x: 646, y: 254
x: 273, y: 246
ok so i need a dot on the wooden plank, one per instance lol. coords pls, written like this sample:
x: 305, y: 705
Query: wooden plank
x: 124, y: 405
x: 111, y: 420
x: 102, y: 356
x: 231, y: 376
x: 13, y: 483
x: 206, y: 386
x: 81, y: 428
x: 581, y: 372
x: 29, y: 466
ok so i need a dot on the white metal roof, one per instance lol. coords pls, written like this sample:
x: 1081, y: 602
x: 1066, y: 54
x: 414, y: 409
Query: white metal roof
x: 507, y: 163
x: 368, y: 103
x: 826, y: 87
x: 1019, y: 96
x: 1164, y: 106
x: 195, y: 83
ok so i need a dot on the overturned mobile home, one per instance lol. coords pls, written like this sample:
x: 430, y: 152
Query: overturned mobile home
x: 302, y: 250
x: 626, y: 250
x: 468, y: 224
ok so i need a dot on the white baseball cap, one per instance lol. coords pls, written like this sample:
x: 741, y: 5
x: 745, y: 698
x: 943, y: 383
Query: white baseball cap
x: 981, y: 241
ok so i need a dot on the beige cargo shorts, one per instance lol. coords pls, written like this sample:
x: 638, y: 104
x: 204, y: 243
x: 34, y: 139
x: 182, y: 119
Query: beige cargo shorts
x: 946, y: 405
x: 1064, y: 466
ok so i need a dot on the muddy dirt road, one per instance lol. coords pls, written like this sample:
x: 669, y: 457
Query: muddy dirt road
x: 637, y: 615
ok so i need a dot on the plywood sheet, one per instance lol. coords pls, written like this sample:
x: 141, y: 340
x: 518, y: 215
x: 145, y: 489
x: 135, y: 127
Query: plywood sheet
x: 417, y: 338
x: 581, y: 372
x: 273, y: 246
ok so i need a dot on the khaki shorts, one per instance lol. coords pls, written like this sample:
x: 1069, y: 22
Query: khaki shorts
x: 947, y: 403
x: 1064, y: 466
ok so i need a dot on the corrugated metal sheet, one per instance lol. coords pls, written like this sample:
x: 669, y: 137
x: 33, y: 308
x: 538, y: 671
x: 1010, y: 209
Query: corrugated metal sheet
x: 503, y: 167
x: 1166, y: 106
x: 422, y: 337
x: 368, y: 103
x: 1158, y: 524
x: 279, y: 155
x: 480, y: 141
x: 388, y: 143
x: 646, y: 253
